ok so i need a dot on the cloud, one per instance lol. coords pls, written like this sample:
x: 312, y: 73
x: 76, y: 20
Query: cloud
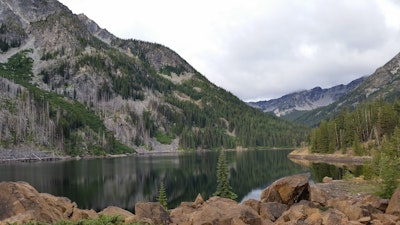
x: 298, y: 46
x: 262, y: 49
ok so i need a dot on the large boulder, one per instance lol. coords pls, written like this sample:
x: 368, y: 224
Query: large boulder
x: 288, y: 190
x: 152, y: 210
x: 254, y: 204
x: 272, y: 210
x: 116, y: 211
x: 20, y: 202
x: 83, y: 214
x: 218, y: 210
x: 297, y: 213
x: 394, y: 204
x: 334, y: 217
x: 318, y: 196
x: 347, y: 207
x: 182, y: 213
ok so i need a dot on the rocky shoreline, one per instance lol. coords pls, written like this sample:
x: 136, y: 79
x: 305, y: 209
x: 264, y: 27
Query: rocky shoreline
x: 290, y: 200
x: 304, y: 154
x: 27, y: 154
x: 31, y: 154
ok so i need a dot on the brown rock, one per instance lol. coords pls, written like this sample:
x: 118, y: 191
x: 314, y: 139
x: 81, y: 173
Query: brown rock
x: 21, y: 200
x: 199, y: 200
x: 334, y: 217
x: 297, y: 213
x: 353, y: 212
x: 136, y: 219
x: 374, y: 204
x: 365, y: 220
x: 272, y: 210
x: 318, y: 195
x: 116, y: 211
x: 154, y: 211
x: 288, y: 190
x: 315, y: 219
x: 182, y: 213
x: 218, y: 210
x: 254, y: 204
x: 327, y: 179
x: 20, y: 218
x: 62, y: 204
x: 386, y: 219
x: 394, y: 203
x: 83, y: 214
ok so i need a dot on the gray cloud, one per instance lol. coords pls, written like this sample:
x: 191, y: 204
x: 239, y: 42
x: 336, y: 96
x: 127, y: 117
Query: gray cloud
x: 299, y: 47
x: 262, y: 49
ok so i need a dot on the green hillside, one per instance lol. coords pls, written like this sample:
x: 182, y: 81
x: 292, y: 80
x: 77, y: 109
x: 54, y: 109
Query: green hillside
x: 67, y: 88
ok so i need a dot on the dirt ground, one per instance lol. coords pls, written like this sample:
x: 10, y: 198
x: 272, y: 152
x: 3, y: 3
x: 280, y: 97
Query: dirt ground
x: 351, y: 187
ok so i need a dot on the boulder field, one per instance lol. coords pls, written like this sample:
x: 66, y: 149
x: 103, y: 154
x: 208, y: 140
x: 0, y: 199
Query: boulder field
x: 290, y: 200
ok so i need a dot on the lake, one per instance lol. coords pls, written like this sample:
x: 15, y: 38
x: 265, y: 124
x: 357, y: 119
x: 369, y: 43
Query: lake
x: 98, y: 183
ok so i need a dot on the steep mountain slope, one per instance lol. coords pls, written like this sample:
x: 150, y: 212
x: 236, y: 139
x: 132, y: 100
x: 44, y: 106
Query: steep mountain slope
x: 92, y: 92
x: 383, y: 84
x: 305, y: 100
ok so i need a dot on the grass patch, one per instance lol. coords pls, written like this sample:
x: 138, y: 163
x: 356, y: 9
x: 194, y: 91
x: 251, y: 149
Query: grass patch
x: 102, y: 220
x: 163, y: 138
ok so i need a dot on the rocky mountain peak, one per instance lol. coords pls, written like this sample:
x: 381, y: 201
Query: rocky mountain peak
x: 97, y: 31
x: 306, y: 100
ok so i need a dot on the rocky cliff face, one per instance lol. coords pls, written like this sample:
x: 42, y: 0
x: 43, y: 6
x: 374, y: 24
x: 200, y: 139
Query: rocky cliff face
x: 382, y: 84
x: 306, y: 100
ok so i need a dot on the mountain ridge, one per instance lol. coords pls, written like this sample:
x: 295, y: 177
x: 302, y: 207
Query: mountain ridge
x: 382, y: 84
x: 306, y: 100
x: 96, y: 93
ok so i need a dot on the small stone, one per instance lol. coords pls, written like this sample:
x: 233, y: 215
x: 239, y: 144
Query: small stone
x: 199, y: 200
x: 365, y: 220
x: 327, y: 179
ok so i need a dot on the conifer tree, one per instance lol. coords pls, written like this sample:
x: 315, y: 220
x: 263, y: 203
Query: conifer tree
x: 162, y: 196
x: 390, y: 161
x: 357, y: 147
x: 223, y: 188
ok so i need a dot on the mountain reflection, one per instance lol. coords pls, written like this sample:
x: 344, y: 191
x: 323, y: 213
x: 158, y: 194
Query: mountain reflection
x: 122, y: 182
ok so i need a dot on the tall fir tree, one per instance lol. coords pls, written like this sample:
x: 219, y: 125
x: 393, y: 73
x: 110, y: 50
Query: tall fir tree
x: 223, y: 188
x: 162, y: 196
x: 390, y: 163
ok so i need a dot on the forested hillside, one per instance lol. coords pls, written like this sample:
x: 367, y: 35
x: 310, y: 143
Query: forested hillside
x: 373, y: 129
x: 71, y: 87
x: 363, y: 129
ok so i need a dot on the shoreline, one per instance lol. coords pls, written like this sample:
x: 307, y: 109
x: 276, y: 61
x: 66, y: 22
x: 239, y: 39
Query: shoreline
x: 27, y: 154
x: 303, y: 154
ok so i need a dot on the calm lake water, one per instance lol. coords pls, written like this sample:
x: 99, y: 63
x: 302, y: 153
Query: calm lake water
x: 98, y: 183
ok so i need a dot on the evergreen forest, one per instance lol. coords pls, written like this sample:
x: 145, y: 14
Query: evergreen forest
x: 371, y: 129
x: 198, y: 113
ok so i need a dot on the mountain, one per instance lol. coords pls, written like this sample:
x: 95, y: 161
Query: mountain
x: 69, y: 86
x: 383, y: 85
x: 305, y: 100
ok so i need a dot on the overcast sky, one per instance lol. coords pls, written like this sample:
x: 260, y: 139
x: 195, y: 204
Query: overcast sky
x: 261, y: 49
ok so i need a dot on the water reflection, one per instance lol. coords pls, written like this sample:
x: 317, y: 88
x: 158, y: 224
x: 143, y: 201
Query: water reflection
x: 320, y: 170
x: 99, y: 183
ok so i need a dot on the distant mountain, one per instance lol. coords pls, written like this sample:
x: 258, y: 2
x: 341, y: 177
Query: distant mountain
x: 306, y: 100
x: 383, y: 84
x: 70, y: 86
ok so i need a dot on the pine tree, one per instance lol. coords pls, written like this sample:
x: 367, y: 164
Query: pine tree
x: 223, y: 188
x: 390, y: 163
x: 357, y: 147
x: 162, y: 196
